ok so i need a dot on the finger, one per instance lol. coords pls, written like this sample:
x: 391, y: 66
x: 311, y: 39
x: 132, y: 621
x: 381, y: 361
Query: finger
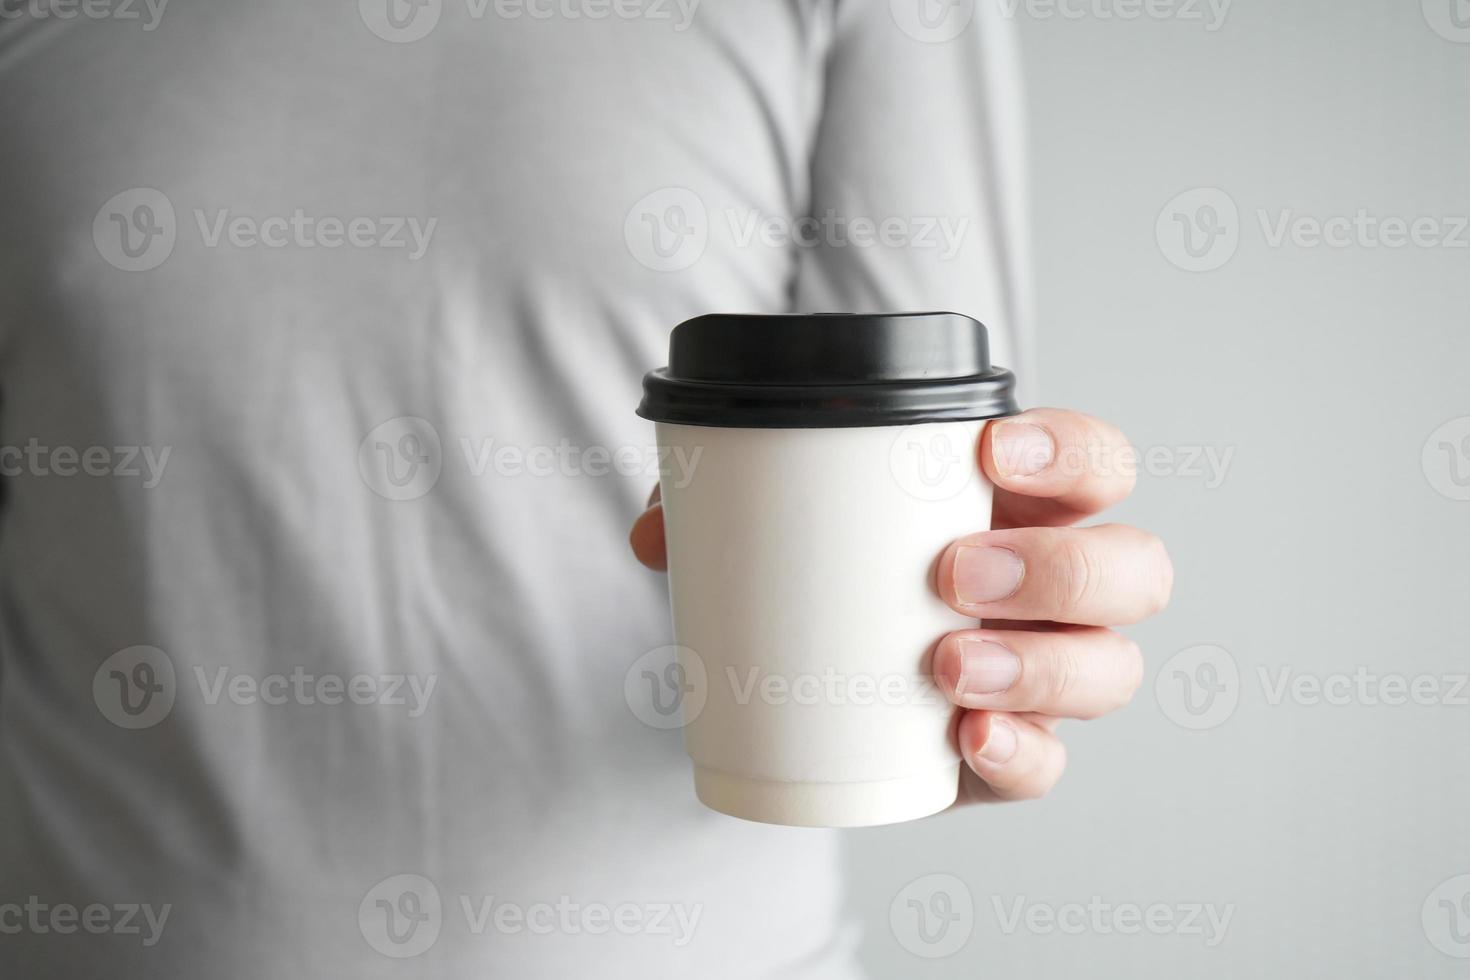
x: 1092, y: 576
x: 647, y: 539
x: 1012, y: 758
x: 1070, y: 674
x: 1052, y: 467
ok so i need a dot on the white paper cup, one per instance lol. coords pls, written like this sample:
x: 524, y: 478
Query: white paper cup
x: 802, y: 578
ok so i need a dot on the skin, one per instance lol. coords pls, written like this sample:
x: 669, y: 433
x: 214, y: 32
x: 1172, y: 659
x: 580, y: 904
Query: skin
x: 1050, y: 594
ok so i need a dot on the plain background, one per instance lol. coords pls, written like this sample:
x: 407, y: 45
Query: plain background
x: 1329, y: 545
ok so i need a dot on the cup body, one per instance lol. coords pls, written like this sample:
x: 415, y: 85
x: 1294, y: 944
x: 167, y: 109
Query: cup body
x: 802, y: 576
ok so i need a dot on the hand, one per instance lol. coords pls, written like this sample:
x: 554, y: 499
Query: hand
x: 1049, y: 593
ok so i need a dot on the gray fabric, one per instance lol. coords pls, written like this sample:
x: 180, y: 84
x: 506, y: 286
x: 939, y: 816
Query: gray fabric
x: 267, y: 540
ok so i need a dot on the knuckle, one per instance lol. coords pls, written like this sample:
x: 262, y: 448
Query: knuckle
x: 1047, y: 772
x: 1079, y: 576
x: 1046, y: 758
x: 1060, y: 676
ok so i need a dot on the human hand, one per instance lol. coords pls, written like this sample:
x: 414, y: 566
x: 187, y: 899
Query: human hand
x: 1049, y: 592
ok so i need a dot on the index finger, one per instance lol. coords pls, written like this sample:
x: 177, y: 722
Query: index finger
x: 1053, y: 467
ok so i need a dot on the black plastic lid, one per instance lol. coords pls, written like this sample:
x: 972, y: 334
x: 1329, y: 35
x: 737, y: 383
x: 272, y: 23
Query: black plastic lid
x: 827, y: 370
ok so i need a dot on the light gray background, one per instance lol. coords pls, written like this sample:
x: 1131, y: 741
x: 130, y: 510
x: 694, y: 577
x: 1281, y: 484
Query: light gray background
x: 1327, y: 547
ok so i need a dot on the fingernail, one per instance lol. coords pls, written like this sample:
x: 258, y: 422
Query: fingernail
x: 1021, y: 449
x: 1000, y: 742
x: 986, y: 668
x: 986, y: 574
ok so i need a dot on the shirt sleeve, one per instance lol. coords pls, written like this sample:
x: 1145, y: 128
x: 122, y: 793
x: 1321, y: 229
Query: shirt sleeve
x: 917, y: 170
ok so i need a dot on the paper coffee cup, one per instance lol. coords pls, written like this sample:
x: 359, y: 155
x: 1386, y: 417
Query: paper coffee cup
x: 827, y: 461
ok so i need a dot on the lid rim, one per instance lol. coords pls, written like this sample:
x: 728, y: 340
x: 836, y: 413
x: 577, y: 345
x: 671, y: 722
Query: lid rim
x: 828, y: 370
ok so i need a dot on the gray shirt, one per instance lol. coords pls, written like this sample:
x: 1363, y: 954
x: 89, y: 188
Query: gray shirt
x: 321, y: 329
